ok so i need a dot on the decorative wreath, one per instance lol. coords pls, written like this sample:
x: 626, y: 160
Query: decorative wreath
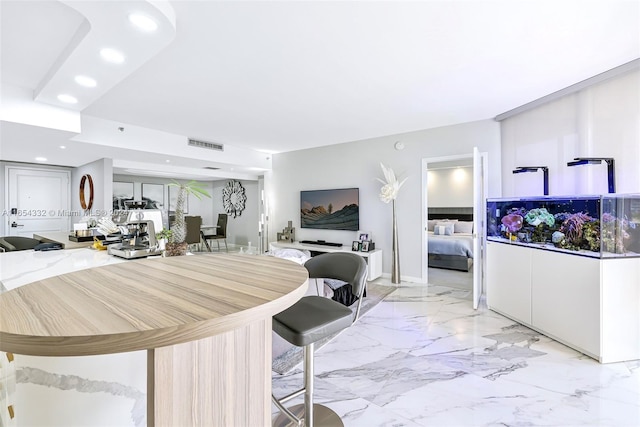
x: 233, y: 198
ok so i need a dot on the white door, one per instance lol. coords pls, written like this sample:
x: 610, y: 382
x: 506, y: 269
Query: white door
x: 38, y: 201
x: 480, y: 188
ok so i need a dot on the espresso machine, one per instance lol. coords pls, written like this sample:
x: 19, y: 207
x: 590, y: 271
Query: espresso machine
x: 138, y: 229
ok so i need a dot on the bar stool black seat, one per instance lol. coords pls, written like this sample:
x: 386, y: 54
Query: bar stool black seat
x: 312, y: 319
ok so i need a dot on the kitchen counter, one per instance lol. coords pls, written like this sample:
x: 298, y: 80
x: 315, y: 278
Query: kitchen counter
x: 204, y: 320
x: 61, y: 237
x: 21, y: 267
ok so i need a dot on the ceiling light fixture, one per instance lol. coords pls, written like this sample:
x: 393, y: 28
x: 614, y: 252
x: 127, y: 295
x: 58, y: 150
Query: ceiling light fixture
x: 62, y: 147
x: 67, y: 99
x: 112, y: 55
x: 41, y: 159
x: 85, y: 81
x: 143, y: 22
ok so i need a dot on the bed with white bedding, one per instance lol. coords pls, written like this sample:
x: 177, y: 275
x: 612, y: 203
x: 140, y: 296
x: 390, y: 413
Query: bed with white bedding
x: 453, y: 252
x: 450, y: 239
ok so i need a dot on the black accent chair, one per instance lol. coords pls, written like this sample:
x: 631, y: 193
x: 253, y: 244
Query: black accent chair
x: 17, y: 243
x: 220, y: 234
x: 311, y: 319
x: 193, y: 236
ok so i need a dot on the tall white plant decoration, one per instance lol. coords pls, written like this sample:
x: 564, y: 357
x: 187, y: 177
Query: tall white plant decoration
x: 388, y: 193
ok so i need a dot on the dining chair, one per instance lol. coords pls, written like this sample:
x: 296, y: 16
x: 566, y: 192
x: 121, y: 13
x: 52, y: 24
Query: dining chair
x: 221, y: 232
x: 311, y: 319
x: 193, y: 230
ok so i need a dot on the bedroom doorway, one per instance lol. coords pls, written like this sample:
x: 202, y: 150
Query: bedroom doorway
x: 454, y: 188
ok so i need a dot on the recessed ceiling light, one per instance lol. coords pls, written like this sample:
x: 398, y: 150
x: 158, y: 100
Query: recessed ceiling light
x: 62, y: 147
x: 68, y: 99
x: 41, y: 159
x: 143, y: 22
x: 85, y: 81
x: 168, y: 161
x: 112, y: 55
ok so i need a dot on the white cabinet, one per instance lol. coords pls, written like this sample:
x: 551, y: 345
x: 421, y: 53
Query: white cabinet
x: 509, y: 283
x: 589, y: 304
x: 565, y: 298
x: 373, y: 258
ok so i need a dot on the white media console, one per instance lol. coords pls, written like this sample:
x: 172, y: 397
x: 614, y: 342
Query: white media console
x: 373, y: 258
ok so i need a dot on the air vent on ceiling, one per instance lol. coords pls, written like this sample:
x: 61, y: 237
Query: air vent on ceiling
x: 213, y: 168
x: 205, y: 144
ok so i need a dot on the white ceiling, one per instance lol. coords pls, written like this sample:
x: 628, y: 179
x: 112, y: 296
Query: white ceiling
x: 282, y: 76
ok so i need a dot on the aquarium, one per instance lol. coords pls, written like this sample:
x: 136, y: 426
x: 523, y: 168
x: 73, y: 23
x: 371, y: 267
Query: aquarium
x: 606, y: 226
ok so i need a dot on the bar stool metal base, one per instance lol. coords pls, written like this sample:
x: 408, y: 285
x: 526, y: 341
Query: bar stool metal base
x: 322, y: 417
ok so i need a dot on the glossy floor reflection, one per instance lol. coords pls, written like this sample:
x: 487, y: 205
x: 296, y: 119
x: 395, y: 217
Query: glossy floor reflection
x: 424, y: 357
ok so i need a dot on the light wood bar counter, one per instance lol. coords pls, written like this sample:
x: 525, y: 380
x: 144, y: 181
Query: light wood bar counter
x: 205, y: 321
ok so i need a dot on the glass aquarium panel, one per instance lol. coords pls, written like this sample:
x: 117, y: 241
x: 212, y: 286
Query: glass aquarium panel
x: 620, y: 233
x: 595, y: 226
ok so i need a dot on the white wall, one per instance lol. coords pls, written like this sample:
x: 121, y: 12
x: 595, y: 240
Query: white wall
x: 357, y: 164
x: 600, y: 121
x: 450, y: 187
x: 244, y: 228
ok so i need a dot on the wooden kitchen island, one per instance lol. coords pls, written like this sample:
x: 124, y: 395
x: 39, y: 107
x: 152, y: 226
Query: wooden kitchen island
x: 204, y: 320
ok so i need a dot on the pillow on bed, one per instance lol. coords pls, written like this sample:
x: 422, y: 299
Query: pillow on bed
x: 463, y: 227
x: 443, y: 229
x: 431, y: 223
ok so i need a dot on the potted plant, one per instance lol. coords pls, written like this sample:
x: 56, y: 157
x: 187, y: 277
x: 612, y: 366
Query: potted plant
x: 163, y: 236
x: 177, y: 244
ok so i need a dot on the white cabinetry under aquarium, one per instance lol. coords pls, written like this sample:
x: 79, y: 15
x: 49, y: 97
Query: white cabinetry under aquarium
x: 569, y: 268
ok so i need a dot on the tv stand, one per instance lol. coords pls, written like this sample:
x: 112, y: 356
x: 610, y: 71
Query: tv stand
x: 373, y: 258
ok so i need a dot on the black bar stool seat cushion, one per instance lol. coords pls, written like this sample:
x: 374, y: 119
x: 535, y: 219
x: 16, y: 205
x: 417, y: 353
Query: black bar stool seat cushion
x: 311, y: 319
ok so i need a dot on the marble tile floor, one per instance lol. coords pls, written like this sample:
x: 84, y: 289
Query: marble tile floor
x: 451, y: 278
x: 424, y: 357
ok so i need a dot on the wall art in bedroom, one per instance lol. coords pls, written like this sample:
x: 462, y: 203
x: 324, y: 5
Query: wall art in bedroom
x: 336, y: 209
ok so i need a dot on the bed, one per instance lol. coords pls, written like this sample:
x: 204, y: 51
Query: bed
x: 450, y: 240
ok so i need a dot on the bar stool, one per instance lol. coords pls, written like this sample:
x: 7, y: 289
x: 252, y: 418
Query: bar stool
x: 311, y: 319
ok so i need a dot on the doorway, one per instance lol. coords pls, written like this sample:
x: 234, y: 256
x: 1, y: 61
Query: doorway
x: 37, y: 200
x: 454, y: 188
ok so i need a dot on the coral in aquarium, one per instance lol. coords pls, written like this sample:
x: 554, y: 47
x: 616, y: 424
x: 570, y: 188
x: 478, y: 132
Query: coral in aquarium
x: 557, y: 237
x: 572, y: 226
x: 561, y: 217
x: 539, y: 216
x: 513, y: 222
x: 541, y: 233
x: 581, y: 231
x: 591, y: 235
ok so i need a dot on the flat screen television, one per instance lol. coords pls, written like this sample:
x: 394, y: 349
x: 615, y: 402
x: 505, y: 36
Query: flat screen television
x: 336, y: 209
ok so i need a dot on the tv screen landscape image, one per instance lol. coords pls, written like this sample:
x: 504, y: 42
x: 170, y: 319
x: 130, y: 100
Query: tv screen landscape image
x: 330, y: 209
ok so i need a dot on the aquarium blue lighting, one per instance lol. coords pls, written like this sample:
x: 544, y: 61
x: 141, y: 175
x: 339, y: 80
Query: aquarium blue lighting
x: 596, y: 161
x: 545, y: 174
